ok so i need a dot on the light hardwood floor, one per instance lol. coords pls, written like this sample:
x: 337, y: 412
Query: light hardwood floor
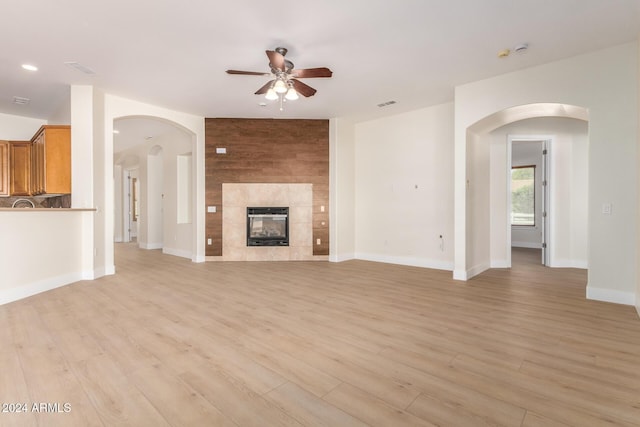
x: 169, y: 342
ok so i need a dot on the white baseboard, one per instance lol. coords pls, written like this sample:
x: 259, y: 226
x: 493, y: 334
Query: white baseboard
x: 568, y: 263
x: 144, y: 245
x: 88, y: 275
x: 611, y: 295
x: 500, y: 263
x: 24, y: 291
x: 465, y: 275
x: 529, y: 245
x: 177, y: 252
x: 460, y: 275
x: 341, y: 257
x: 99, y: 272
x: 198, y: 258
x: 474, y: 271
x: 408, y: 261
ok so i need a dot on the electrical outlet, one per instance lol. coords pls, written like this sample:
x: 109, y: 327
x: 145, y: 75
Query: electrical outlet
x: 209, y: 241
x: 317, y: 241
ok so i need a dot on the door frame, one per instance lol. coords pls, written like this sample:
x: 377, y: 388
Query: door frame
x: 546, y: 222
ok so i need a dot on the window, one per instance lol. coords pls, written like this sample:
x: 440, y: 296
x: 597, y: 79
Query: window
x: 523, y: 195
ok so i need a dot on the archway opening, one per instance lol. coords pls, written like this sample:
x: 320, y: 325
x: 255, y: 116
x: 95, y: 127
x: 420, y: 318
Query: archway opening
x: 486, y: 226
x: 160, y: 147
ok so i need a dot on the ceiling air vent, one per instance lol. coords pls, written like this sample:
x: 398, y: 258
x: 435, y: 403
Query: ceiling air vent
x: 79, y: 67
x: 386, y: 104
x: 19, y: 100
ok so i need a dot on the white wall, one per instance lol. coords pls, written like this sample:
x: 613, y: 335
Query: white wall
x: 62, y: 115
x: 152, y: 192
x: 606, y: 83
x: 478, y: 243
x: 568, y: 179
x: 16, y: 128
x: 82, y: 150
x: 102, y: 190
x: 638, y: 205
x: 404, y: 188
x: 40, y: 251
x: 342, y: 190
x: 119, y: 180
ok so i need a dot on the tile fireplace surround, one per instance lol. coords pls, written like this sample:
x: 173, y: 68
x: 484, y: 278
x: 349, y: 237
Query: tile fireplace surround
x: 235, y: 200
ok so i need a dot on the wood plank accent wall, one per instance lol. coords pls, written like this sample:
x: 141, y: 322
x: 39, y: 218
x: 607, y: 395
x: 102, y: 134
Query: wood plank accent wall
x: 267, y: 151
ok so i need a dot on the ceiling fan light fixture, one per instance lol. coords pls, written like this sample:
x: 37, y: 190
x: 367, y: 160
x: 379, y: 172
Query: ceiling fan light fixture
x: 291, y: 95
x: 285, y: 84
x: 271, y: 95
x: 280, y: 86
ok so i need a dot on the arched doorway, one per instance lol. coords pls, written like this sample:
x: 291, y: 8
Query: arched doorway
x: 160, y: 147
x: 475, y: 255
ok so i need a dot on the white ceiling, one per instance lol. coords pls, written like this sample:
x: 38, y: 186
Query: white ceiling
x: 174, y: 53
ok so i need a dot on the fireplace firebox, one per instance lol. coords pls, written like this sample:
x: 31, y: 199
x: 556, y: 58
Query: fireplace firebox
x: 267, y: 226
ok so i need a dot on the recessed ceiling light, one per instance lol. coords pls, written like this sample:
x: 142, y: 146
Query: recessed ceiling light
x: 29, y: 67
x: 116, y: 131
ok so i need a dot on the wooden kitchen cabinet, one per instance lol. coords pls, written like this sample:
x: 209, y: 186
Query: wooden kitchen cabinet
x: 20, y: 168
x: 4, y: 168
x: 51, y: 160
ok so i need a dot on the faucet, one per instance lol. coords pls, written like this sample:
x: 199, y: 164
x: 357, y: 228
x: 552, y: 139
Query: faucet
x: 22, y: 201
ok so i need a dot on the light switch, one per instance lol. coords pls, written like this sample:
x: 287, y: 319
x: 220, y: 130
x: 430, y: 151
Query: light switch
x: 606, y: 209
x: 209, y: 241
x: 221, y: 150
x: 211, y: 209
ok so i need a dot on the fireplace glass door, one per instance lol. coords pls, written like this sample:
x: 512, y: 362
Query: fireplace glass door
x: 267, y: 226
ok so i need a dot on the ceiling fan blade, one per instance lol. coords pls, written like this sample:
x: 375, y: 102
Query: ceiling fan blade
x: 302, y: 88
x: 264, y: 88
x: 248, y: 73
x: 312, y: 72
x: 276, y: 60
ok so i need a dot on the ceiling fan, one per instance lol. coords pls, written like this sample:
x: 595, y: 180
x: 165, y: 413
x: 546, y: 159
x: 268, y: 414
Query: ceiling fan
x: 285, y: 83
